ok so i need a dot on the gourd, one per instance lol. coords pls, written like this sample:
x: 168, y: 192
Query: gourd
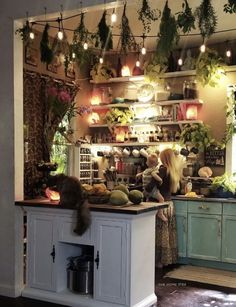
x: 118, y: 198
x: 122, y: 188
x: 135, y: 196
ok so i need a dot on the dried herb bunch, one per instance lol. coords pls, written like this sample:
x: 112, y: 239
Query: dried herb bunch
x: 81, y: 33
x: 186, y: 19
x: 127, y: 38
x: 45, y: 48
x: 230, y: 7
x: 24, y: 32
x: 104, y: 35
x: 168, y: 35
x: 146, y: 15
x: 207, y: 19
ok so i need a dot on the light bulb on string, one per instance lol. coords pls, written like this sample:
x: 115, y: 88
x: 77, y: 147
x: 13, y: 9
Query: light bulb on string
x: 137, y: 64
x: 85, y: 46
x: 113, y: 16
x: 101, y: 60
x: 180, y: 61
x: 203, y: 46
x: 31, y: 35
x: 143, y: 50
x: 228, y: 53
x: 60, y: 35
x: 73, y: 55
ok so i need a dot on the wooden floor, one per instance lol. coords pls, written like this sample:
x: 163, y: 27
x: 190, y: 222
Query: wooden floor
x: 170, y: 293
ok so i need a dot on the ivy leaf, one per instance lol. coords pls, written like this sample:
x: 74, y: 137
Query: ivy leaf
x: 127, y: 39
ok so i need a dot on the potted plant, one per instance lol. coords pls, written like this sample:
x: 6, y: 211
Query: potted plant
x: 223, y: 186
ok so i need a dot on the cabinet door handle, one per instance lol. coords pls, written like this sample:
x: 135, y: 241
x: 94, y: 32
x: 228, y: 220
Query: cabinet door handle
x: 53, y: 253
x: 97, y: 259
x: 184, y: 224
x: 204, y: 207
x: 219, y: 228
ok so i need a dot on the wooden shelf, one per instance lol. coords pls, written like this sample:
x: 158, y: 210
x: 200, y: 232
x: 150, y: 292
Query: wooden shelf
x: 156, y: 123
x: 127, y: 144
x: 147, y: 104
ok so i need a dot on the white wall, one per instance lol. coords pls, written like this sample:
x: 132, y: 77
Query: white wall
x: 11, y: 143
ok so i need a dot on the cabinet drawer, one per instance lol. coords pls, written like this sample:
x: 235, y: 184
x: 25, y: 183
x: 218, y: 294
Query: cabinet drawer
x: 229, y: 209
x: 180, y: 206
x: 67, y: 234
x: 204, y: 207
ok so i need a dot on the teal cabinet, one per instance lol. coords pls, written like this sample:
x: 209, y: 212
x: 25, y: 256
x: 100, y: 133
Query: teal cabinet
x: 181, y: 224
x: 228, y: 233
x: 204, y: 236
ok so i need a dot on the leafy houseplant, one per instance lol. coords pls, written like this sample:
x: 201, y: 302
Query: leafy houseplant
x: 209, y: 68
x: 223, y: 186
x: 119, y: 116
x: 198, y: 135
x: 230, y: 116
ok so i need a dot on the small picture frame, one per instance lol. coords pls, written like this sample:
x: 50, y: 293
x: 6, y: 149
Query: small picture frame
x: 31, y: 56
x: 70, y: 72
x: 52, y: 67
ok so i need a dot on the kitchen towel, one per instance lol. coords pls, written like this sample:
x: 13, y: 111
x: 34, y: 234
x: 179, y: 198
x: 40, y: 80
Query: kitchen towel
x: 204, y: 275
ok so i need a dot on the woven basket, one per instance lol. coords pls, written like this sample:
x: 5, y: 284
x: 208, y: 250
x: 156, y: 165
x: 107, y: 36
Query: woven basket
x: 98, y: 199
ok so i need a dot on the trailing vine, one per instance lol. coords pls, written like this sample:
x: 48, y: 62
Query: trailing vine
x: 147, y: 15
x: 127, y: 39
x: 230, y: 116
x: 168, y: 35
x: 104, y: 35
x: 207, y: 19
x: 45, y: 48
x: 209, y: 68
x: 230, y: 7
x: 186, y: 19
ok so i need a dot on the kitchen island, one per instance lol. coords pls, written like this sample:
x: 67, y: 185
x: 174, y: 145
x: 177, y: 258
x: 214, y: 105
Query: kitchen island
x: 122, y: 240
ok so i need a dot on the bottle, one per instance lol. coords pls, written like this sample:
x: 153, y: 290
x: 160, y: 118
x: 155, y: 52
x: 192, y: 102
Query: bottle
x: 118, y: 68
x: 189, y: 186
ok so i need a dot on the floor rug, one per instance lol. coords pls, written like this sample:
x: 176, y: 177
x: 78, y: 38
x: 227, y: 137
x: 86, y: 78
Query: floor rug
x: 204, y: 275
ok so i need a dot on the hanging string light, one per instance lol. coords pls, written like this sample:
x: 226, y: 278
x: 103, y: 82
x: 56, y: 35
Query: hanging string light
x: 31, y: 34
x: 180, y: 60
x: 113, y: 16
x: 203, y: 46
x: 228, y: 52
x: 143, y: 50
x: 85, y: 46
x: 59, y: 33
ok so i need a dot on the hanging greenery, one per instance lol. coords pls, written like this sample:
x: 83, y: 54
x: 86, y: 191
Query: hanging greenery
x: 103, y: 37
x: 45, y: 48
x: 230, y: 116
x: 168, y: 35
x: 186, y: 18
x: 127, y: 39
x: 209, y: 68
x: 207, y: 19
x: 147, y: 15
x: 230, y: 7
x: 24, y: 32
x: 154, y: 71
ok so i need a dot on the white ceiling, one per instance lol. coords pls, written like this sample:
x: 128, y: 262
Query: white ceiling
x: 92, y: 17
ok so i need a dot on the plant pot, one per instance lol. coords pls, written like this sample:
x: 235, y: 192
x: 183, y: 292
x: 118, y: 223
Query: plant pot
x: 221, y: 193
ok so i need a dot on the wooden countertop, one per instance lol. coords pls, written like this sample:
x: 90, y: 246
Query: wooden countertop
x: 126, y: 209
x: 205, y: 199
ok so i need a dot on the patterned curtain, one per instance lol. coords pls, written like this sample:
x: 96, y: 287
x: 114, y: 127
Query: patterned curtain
x: 35, y: 120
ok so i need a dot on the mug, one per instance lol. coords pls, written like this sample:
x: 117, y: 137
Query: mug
x: 126, y: 152
x: 135, y: 153
x: 143, y: 152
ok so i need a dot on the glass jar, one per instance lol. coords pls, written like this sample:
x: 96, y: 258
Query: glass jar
x: 190, y: 89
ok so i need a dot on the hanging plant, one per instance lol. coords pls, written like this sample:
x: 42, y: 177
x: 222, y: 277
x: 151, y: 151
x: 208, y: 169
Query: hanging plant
x: 127, y: 39
x: 230, y: 7
x: 24, y: 32
x: 154, y: 71
x: 168, y: 35
x: 186, y: 18
x: 45, y: 48
x: 147, y: 15
x: 207, y: 19
x: 209, y: 68
x: 103, y: 37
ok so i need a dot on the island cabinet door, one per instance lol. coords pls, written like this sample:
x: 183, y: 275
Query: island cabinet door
x: 228, y: 233
x: 204, y: 236
x: 41, y: 252
x: 181, y: 224
x: 110, y: 252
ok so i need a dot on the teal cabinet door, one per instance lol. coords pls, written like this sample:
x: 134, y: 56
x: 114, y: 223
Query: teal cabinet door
x: 228, y: 239
x: 204, y: 236
x: 181, y: 225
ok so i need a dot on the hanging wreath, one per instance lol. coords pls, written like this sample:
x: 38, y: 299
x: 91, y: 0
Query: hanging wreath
x: 186, y: 18
x: 207, y: 19
x: 147, y: 15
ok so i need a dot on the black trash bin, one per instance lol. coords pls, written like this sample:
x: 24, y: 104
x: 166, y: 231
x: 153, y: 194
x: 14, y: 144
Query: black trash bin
x: 80, y: 274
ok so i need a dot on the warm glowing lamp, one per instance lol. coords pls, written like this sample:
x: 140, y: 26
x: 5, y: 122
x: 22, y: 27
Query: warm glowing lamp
x: 125, y: 71
x: 95, y: 100
x: 52, y: 195
x: 93, y: 118
x: 191, y: 112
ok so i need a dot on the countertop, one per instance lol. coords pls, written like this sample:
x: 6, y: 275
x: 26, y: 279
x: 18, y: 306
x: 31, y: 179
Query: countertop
x: 126, y: 209
x: 205, y: 199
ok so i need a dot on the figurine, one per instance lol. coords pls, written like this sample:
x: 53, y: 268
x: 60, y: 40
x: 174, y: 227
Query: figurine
x: 189, y: 62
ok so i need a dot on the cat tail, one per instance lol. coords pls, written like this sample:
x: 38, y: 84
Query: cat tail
x: 83, y: 218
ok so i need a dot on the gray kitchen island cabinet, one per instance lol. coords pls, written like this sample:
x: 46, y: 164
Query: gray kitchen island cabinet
x: 123, y: 245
